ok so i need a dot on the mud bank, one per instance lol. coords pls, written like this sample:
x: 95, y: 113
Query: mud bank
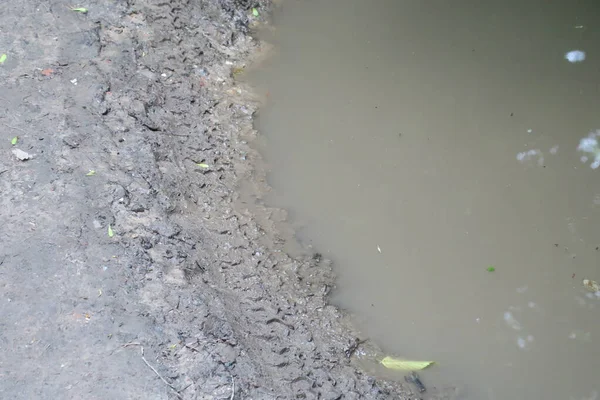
x: 126, y: 270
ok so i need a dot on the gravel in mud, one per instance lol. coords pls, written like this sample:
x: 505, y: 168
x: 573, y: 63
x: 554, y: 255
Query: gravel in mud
x: 126, y: 272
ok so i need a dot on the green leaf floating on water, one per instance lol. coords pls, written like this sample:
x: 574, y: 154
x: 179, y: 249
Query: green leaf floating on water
x: 255, y: 12
x: 491, y: 268
x: 405, y: 365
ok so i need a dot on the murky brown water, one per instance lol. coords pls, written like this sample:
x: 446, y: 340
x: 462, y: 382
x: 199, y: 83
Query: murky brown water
x: 417, y: 143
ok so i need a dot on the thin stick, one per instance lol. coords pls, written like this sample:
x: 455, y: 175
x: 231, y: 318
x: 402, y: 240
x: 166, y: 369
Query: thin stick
x: 189, y: 346
x: 232, y: 388
x: 15, y: 128
x: 161, y: 378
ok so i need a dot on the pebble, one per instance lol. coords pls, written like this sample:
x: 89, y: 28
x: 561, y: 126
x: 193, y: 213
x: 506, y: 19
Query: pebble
x: 21, y: 155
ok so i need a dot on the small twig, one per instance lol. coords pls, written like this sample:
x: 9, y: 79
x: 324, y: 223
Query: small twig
x: 160, y: 376
x: 15, y: 128
x: 189, y: 346
x: 216, y: 45
x: 185, y: 388
x: 353, y: 347
x: 177, y: 134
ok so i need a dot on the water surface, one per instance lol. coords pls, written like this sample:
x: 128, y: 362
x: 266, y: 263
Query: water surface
x: 420, y: 143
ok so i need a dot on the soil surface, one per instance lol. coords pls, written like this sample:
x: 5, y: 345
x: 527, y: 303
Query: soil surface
x: 126, y: 270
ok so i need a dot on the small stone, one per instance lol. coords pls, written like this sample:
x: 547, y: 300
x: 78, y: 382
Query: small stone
x: 21, y: 155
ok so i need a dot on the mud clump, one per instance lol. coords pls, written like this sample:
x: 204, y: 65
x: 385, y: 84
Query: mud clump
x: 121, y: 233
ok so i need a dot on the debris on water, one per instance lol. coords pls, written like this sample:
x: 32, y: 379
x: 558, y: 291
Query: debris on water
x: 523, y: 342
x: 554, y: 149
x: 415, y: 380
x: 379, y: 249
x: 405, y: 365
x: 491, y: 268
x: 578, y: 26
x: 574, y: 56
x: 580, y: 335
x: 590, y: 145
x: 590, y: 285
x: 529, y: 154
x: 529, y: 130
x: 511, y: 321
x: 21, y: 155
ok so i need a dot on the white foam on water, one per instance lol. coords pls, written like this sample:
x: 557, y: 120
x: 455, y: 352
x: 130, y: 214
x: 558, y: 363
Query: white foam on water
x: 575, y: 56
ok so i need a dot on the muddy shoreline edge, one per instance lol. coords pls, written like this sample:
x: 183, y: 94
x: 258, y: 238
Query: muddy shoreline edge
x: 128, y: 270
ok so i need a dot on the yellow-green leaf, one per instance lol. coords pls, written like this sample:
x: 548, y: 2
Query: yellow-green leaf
x: 14, y: 140
x: 91, y: 173
x: 405, y: 365
x: 2, y: 58
x: 202, y: 165
x: 255, y: 12
x: 80, y: 9
x: 110, y: 231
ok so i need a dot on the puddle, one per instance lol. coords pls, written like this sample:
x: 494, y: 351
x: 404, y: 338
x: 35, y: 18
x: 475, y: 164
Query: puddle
x: 441, y: 156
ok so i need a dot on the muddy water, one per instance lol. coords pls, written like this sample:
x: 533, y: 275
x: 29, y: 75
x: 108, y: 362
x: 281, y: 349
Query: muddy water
x: 420, y: 143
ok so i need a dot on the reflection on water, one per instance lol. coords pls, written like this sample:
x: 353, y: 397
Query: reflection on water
x: 590, y: 145
x: 419, y: 143
x: 575, y: 56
